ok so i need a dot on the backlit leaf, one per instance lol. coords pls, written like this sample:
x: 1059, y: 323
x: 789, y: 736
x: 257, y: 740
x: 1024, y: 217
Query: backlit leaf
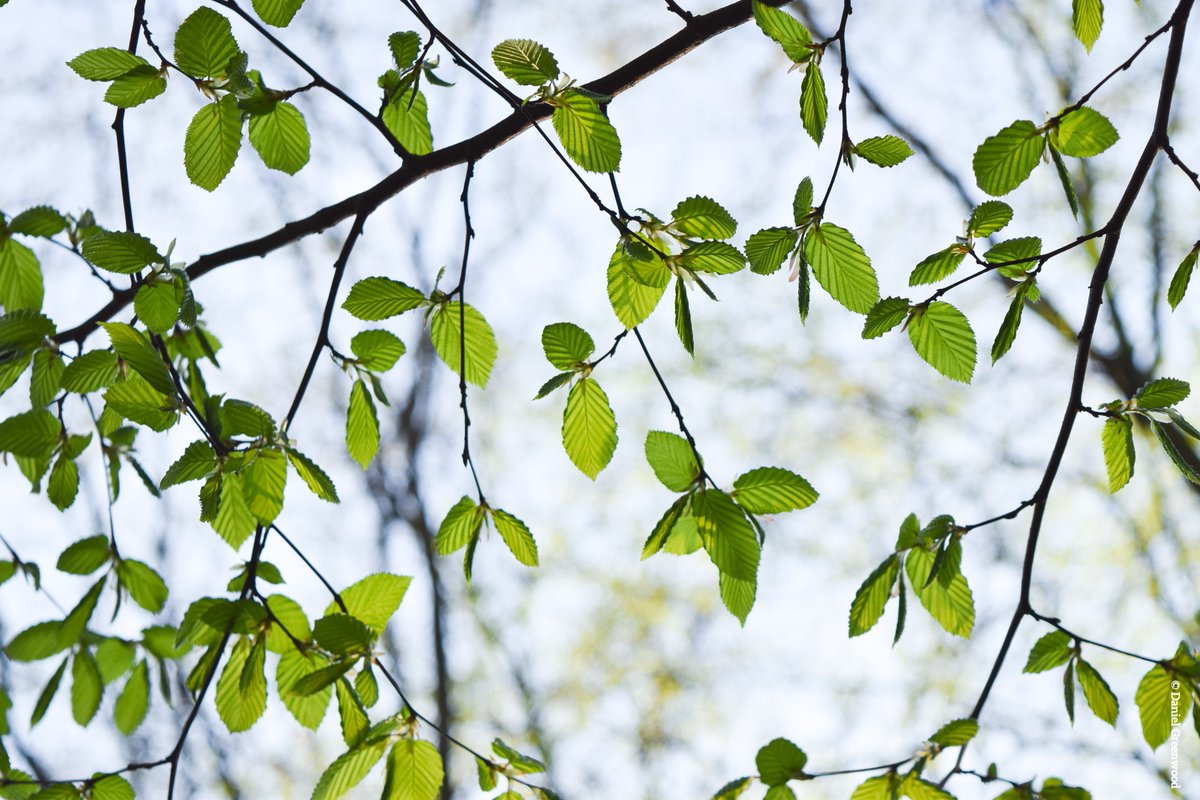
x: 455, y: 324
x: 842, y: 267
x: 943, y: 337
x: 589, y: 429
x: 585, y: 132
x: 213, y: 140
x: 1004, y: 161
x: 525, y: 61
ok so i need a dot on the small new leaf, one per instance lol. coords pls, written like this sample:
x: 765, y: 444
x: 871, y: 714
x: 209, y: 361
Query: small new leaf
x: 842, y: 267
x: 883, y: 151
x: 1004, y: 161
x: 943, y: 337
x: 585, y: 132
x: 525, y: 61
x: 589, y: 428
x: 672, y: 459
x: 779, y: 761
x: 1117, y: 439
x: 1182, y: 277
x: 885, y: 315
x: 1083, y: 133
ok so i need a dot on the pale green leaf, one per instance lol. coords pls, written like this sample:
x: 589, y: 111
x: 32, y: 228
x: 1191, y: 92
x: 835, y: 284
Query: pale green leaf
x: 589, y: 428
x: 1182, y: 277
x: 1099, y: 696
x: 277, y: 12
x: 136, y: 87
x: 144, y: 585
x: 377, y: 298
x: 1162, y: 392
x: 407, y: 117
x: 585, y: 132
x: 1083, y: 133
x: 525, y: 61
x: 349, y: 769
x: 884, y: 151
x: 631, y: 300
x: 779, y: 761
x: 31, y: 434
x: 213, y: 140
x: 86, y: 687
x: 842, y: 267
x: 373, y: 600
x: 414, y: 771
x: 802, y: 201
x: 242, y: 688
x: 63, y: 484
x: 727, y: 535
x: 134, y: 700
x: 738, y: 595
x: 1157, y: 701
x: 1015, y: 257
x: 814, y: 105
x: 136, y: 400
x: 1048, y: 652
x: 136, y: 351
x: 943, y: 337
x: 872, y: 596
x: 460, y: 526
x: 885, y: 315
x: 362, y: 425
x: 517, y: 536
x: 1087, y: 17
x: 955, y: 733
x: 313, y: 476
x: 105, y: 63
x: 566, y: 345
x: 772, y: 490
x: 343, y: 635
x: 672, y: 459
x: 281, y: 137
x: 989, y: 217
x: 455, y: 324
x: 90, y: 372
x: 1004, y: 161
x: 204, y: 44
x: 21, y: 284
x: 1119, y: 456
x: 939, y: 266
x: 405, y: 47
x: 233, y: 521
x: 718, y: 258
x: 769, y: 248
x: 307, y: 709
x: 785, y: 29
x: 264, y: 478
x: 377, y: 350
x: 120, y: 252
x: 948, y: 602
x: 1008, y: 327
x: 157, y: 304
x: 703, y: 218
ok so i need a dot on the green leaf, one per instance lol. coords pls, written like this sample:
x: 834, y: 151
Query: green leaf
x: 672, y: 459
x: 767, y: 249
x: 772, y: 490
x: 63, y: 484
x: 135, y: 399
x: 407, y: 117
x: 1099, y: 696
x: 872, y: 596
x: 90, y: 372
x: 405, y: 47
x: 884, y: 151
x: 213, y: 140
x: 105, y: 63
x: 31, y: 434
x: 559, y: 380
x: 703, y: 218
x: 1169, y: 448
x: 631, y: 300
x: 951, y: 603
x: 525, y: 61
x: 313, y: 476
x: 24, y: 329
x: 718, y: 258
x: 114, y: 658
x: 566, y: 345
x: 727, y: 535
x: 802, y: 201
x: 988, y: 218
x: 1008, y: 328
x: 288, y: 621
x: 343, y: 635
x: 1065, y: 180
x: 111, y: 787
x: 133, y: 348
x: 42, y: 221
x: 349, y: 769
x: 198, y: 461
x: 517, y: 536
x: 814, y: 105
x: 517, y: 760
x: 779, y: 761
x: 136, y: 87
x: 1117, y: 439
x: 785, y: 29
x: 942, y: 336
x: 885, y: 315
x: 1016, y: 256
x: 85, y: 556
x: 881, y: 787
x: 937, y: 267
x: 233, y: 522
x: 20, y: 277
x: 1087, y: 17
x: 1083, y: 133
x: 1162, y: 392
x: 585, y: 132
x: 277, y: 12
x: 377, y: 350
x: 376, y: 298
x: 157, y: 304
x: 589, y: 428
x: 308, y: 709
x: 918, y: 789
x: 86, y: 687
x: 38, y: 641
x: 204, y: 44
x: 1004, y: 161
x: 134, y: 700
x: 362, y: 425
x: 264, y: 478
x: 454, y: 324
x: 281, y: 137
x: 414, y: 771
x: 733, y: 789
x: 737, y: 596
x: 1181, y: 278
x: 47, y: 694
x: 683, y: 318
x: 663, y: 529
x: 120, y: 252
x: 955, y: 733
x: 242, y: 687
x: 842, y: 267
x: 373, y: 600
x: 239, y: 418
x: 144, y: 585
x: 460, y: 527
x: 1157, y: 692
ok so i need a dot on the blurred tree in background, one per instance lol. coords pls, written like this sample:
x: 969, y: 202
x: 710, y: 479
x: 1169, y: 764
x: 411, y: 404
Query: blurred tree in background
x: 291, y: 274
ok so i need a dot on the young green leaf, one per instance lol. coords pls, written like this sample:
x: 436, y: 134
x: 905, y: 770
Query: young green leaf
x: 134, y: 700
x: 349, y: 769
x: 362, y: 425
x: 883, y: 151
x: 157, y: 304
x: 204, y: 44
x: 145, y: 586
x: 525, y: 61
x: 802, y: 201
x: 105, y: 63
x: 1083, y: 133
x: 136, y: 87
x: 90, y: 372
x: 1016, y: 256
x: 517, y: 536
x: 772, y: 490
x: 1158, y: 700
x: 63, y: 484
x: 280, y: 136
x: 1087, y: 17
x: 414, y: 771
x: 814, y: 105
x: 342, y: 635
x: 1008, y: 328
x: 672, y: 459
x: 43, y: 221
x: 769, y: 248
x: 737, y: 595
x: 785, y: 29
x: 86, y: 687
x: 718, y: 258
x: 1117, y: 440
x: 1065, y: 180
x: 956, y: 733
x: 120, y: 252
x: 1099, y: 696
x: 942, y: 336
x: 938, y: 266
x: 31, y: 434
x: 377, y: 350
x: 949, y: 602
x: 727, y: 534
x: 294, y: 665
x: 885, y: 315
x: 1182, y: 276
x: 989, y: 217
x: 1162, y: 392
x: 780, y: 761
x: 407, y: 117
x: 1004, y: 161
x: 585, y: 132
x: 842, y: 267
x: 373, y: 299
x: 566, y: 345
x: 313, y: 476
x: 85, y: 556
x: 683, y: 318
x: 233, y: 521
x: 1173, y: 453
x: 460, y: 527
x: 278, y: 13
x: 664, y: 527
x: 21, y: 284
x: 455, y: 324
x: 589, y: 428
x: 703, y: 218
x: 213, y: 140
x: 405, y: 47
x: 631, y: 300
x: 872, y: 596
